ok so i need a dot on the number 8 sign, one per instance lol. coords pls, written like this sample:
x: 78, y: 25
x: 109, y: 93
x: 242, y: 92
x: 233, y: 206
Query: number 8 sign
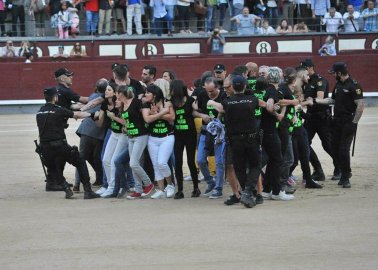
x: 263, y: 47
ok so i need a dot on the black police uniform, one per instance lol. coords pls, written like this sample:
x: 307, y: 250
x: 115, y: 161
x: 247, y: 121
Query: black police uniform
x: 51, y: 121
x: 317, y: 122
x: 244, y: 138
x: 344, y: 95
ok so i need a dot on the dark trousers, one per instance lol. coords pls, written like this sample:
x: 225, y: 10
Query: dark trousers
x: 306, y: 14
x: 90, y: 150
x: 55, y: 155
x: 319, y: 126
x: 246, y: 154
x: 301, y: 150
x: 183, y: 13
x: 342, y: 139
x: 188, y: 141
x: 2, y: 19
x: 18, y: 12
x: 272, y: 148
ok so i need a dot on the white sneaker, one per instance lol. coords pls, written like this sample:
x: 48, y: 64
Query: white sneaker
x: 282, y: 196
x: 158, y: 194
x: 222, y: 31
x: 100, y: 190
x: 108, y: 191
x: 201, y: 177
x: 169, y: 191
x: 267, y: 195
x: 188, y: 178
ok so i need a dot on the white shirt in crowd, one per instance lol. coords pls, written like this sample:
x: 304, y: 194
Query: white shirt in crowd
x: 267, y: 31
x: 348, y: 25
x: 332, y: 23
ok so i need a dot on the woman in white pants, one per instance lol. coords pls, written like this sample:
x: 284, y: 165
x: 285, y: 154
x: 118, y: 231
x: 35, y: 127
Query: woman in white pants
x: 159, y: 114
x: 116, y: 143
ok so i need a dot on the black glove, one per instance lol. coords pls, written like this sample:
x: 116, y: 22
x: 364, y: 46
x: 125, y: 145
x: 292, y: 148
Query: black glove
x: 93, y: 115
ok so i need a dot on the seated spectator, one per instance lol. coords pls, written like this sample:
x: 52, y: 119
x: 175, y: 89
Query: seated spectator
x: 77, y: 50
x: 328, y: 48
x: 370, y: 16
x: 61, y: 53
x: 333, y: 20
x: 300, y: 27
x: 284, y: 27
x: 28, y: 58
x: 216, y: 41
x: 351, y: 20
x: 63, y: 22
x: 25, y: 48
x: 266, y: 29
x: 73, y: 18
x: 245, y: 22
x: 9, y: 50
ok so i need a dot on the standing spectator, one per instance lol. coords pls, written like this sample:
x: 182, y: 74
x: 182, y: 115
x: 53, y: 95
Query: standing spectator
x: 54, y: 8
x: 134, y: 11
x: 73, y: 18
x: 24, y: 49
x: 17, y: 9
x: 160, y: 14
x: 216, y: 41
x: 2, y: 18
x: 370, y: 15
x: 183, y: 14
x: 356, y: 4
x: 118, y: 16
x: 284, y: 27
x: 63, y: 22
x: 222, y: 5
x: 266, y: 29
x: 209, y: 23
x: 245, y: 22
x: 236, y: 9
x: 332, y: 20
x: 319, y: 9
x: 288, y: 10
x: 91, y: 12
x: 105, y: 13
x: 272, y: 11
x: 351, y: 18
x: 304, y: 8
x: 300, y: 27
x: 201, y: 14
x: 170, y: 7
x: 9, y: 50
x: 37, y: 9
x: 328, y: 48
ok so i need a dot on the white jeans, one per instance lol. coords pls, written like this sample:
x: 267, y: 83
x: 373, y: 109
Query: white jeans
x: 116, y: 143
x: 160, y: 150
x: 136, y: 149
x: 134, y: 11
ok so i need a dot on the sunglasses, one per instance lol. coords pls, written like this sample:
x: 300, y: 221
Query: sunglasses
x: 219, y: 72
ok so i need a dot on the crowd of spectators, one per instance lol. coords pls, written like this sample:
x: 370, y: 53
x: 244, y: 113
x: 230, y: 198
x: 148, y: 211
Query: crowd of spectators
x: 243, y: 17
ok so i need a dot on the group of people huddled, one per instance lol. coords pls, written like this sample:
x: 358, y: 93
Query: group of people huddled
x: 106, y: 17
x: 249, y: 127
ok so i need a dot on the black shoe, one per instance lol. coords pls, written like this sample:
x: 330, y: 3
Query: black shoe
x: 97, y: 184
x: 179, y: 195
x: 54, y: 187
x: 232, y: 200
x: 288, y: 189
x: 121, y: 193
x: 68, y: 192
x: 259, y: 199
x: 90, y: 195
x: 196, y: 193
x: 312, y: 184
x: 318, y: 176
x: 346, y: 184
x: 76, y: 189
x: 336, y: 176
x: 248, y: 200
x: 341, y: 182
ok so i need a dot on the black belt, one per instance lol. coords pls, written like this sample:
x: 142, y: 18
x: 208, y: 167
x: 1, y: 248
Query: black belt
x: 240, y: 136
x: 55, y: 143
x: 162, y: 135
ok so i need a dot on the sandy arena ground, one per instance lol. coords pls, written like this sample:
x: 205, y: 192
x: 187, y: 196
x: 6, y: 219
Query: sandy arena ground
x: 332, y: 228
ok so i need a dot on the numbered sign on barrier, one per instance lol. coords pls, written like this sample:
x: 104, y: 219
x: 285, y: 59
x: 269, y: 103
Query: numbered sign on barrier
x: 151, y: 48
x: 263, y: 47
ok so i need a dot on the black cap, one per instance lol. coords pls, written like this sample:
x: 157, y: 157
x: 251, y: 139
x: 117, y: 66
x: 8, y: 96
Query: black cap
x: 338, y: 67
x: 50, y: 91
x: 307, y: 63
x: 219, y: 67
x: 239, y: 83
x: 63, y: 71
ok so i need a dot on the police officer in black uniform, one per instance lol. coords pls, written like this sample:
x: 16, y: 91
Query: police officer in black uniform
x: 317, y: 121
x: 349, y: 106
x: 55, y: 151
x: 241, y: 129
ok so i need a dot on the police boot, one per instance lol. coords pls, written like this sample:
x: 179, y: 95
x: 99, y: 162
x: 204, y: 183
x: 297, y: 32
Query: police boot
x: 312, y: 184
x: 67, y: 190
x: 336, y: 174
x: 247, y: 198
x: 318, y: 174
x: 53, y: 187
x: 88, y: 193
x: 346, y: 184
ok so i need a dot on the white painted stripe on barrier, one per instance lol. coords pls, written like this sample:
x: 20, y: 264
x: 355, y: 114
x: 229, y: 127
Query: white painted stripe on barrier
x: 181, y: 48
x: 351, y: 44
x: 236, y: 47
x: 130, y: 52
x: 295, y: 46
x: 110, y: 50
